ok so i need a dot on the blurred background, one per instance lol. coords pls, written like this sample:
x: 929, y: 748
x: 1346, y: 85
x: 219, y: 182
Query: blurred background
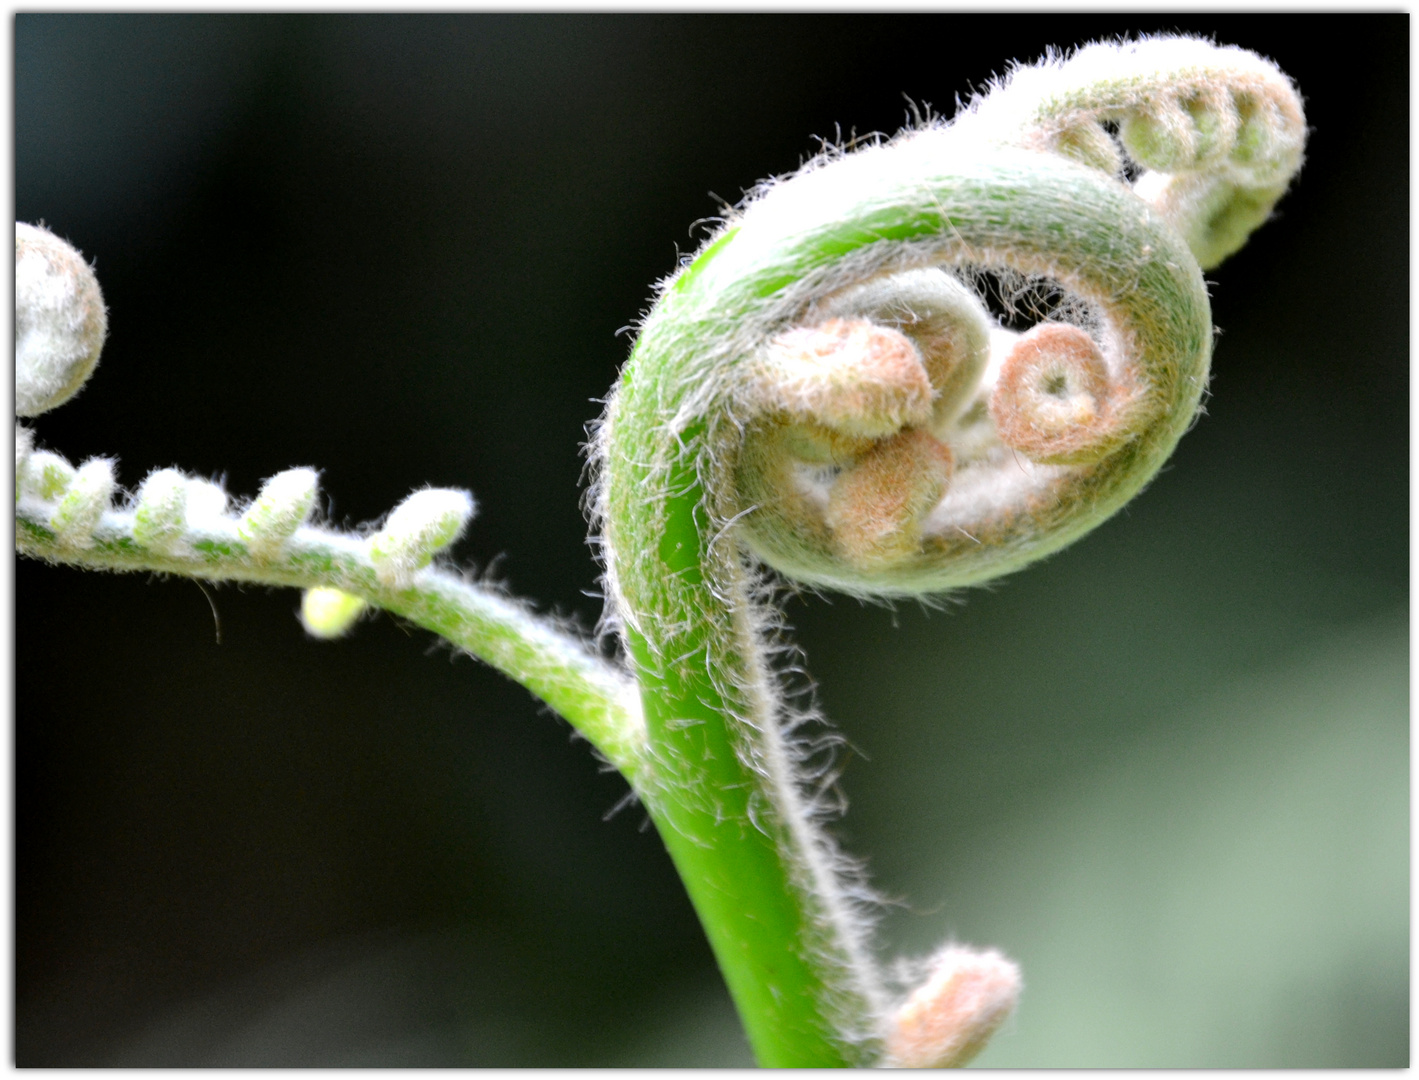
x: 1167, y: 770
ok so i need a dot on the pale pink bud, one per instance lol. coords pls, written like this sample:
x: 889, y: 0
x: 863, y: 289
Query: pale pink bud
x: 1055, y: 401
x: 850, y: 375
x: 948, y: 1019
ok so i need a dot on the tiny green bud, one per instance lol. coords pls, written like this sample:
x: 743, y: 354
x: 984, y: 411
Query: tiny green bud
x: 330, y: 613
x: 84, y: 503
x: 60, y: 322
x: 161, y: 517
x: 1161, y: 135
x: 417, y: 529
x: 282, y: 507
x: 49, y: 474
x: 1270, y: 136
x: 1214, y: 119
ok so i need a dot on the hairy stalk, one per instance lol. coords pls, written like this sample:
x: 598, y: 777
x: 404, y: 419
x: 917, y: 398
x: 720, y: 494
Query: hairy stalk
x: 554, y: 664
x: 824, y: 392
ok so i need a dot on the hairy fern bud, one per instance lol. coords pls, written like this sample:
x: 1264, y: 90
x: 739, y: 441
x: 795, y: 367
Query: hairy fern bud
x: 87, y: 497
x: 60, y: 320
x: 282, y: 507
x: 416, y: 530
x: 47, y: 475
x: 160, y: 517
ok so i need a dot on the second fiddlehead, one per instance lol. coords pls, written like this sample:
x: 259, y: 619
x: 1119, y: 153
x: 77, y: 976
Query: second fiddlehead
x: 823, y: 391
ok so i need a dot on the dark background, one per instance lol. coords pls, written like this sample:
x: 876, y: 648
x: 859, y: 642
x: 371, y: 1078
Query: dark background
x: 1166, y: 770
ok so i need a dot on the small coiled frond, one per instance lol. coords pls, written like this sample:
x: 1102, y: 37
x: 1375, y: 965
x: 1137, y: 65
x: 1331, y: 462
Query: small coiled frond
x: 1213, y: 133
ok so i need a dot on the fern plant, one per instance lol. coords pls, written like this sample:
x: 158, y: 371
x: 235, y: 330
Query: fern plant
x: 821, y: 396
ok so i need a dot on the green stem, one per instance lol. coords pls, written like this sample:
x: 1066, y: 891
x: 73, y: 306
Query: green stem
x: 763, y: 920
x: 594, y: 697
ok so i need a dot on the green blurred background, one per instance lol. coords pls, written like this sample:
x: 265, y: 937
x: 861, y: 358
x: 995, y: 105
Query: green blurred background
x: 1167, y: 770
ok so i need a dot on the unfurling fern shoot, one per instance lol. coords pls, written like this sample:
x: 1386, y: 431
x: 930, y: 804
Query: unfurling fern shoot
x: 824, y: 394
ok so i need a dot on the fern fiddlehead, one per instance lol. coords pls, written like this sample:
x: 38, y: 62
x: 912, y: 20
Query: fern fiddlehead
x: 822, y: 390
